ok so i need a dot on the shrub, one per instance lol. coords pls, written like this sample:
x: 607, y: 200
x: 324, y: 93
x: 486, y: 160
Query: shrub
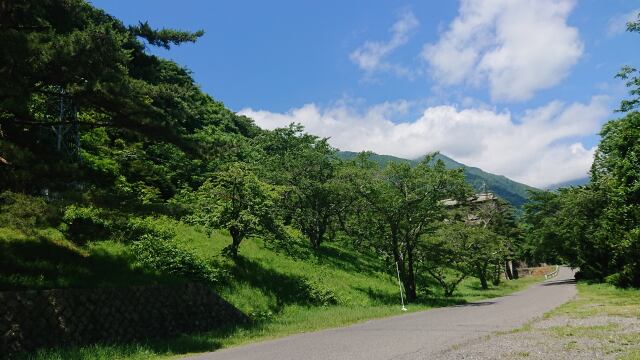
x: 261, y: 315
x: 613, y: 279
x: 83, y: 223
x: 320, y: 294
x: 165, y: 256
x: 23, y: 212
x: 135, y: 228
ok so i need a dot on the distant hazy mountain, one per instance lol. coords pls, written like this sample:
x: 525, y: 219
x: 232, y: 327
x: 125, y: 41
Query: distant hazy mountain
x: 576, y: 182
x: 512, y: 191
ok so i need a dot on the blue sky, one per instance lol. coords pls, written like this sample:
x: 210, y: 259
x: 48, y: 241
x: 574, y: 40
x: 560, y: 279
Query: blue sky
x: 516, y: 87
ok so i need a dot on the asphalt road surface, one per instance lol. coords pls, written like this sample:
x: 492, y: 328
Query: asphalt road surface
x: 420, y: 335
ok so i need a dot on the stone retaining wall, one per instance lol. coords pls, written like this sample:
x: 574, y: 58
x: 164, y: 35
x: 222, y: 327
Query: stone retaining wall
x: 34, y: 319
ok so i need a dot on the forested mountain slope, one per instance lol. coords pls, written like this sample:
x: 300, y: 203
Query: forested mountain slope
x: 512, y: 191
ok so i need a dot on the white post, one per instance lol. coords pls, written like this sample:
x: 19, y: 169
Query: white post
x: 400, y: 286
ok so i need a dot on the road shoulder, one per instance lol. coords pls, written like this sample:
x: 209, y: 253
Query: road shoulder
x: 602, y: 322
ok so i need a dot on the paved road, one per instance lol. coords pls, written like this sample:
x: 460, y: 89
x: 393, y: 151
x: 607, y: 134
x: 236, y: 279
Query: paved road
x: 420, y: 335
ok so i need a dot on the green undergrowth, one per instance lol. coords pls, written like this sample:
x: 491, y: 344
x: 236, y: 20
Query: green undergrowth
x: 284, y: 289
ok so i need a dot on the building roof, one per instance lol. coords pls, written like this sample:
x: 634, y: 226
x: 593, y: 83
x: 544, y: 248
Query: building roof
x: 476, y: 198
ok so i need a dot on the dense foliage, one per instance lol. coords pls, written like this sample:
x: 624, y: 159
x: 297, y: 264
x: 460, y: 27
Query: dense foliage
x: 597, y: 227
x: 404, y: 203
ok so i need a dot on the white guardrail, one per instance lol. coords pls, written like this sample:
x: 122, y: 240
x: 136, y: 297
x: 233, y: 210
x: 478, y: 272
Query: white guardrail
x: 552, y: 274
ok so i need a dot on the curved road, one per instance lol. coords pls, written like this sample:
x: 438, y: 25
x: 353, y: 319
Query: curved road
x: 420, y: 335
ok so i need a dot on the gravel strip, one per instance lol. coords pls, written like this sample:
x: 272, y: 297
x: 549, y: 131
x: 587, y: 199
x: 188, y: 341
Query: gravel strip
x: 561, y: 337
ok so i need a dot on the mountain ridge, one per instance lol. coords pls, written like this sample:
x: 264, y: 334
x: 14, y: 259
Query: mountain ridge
x: 512, y: 191
x: 576, y: 182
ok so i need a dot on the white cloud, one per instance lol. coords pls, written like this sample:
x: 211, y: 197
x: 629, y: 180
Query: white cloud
x: 540, y: 148
x: 618, y: 24
x: 370, y: 57
x: 517, y: 47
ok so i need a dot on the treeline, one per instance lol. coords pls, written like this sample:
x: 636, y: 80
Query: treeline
x: 597, y: 227
x: 97, y: 136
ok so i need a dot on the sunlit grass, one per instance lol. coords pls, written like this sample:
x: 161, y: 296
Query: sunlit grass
x: 601, y: 299
x: 268, y: 283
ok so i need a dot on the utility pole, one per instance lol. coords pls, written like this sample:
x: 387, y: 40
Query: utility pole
x: 67, y: 131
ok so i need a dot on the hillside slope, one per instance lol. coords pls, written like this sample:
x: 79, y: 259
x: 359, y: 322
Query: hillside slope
x: 284, y: 290
x: 511, y: 191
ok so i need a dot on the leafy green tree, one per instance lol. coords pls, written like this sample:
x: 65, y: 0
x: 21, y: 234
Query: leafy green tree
x: 615, y: 176
x: 456, y: 251
x: 405, y: 202
x: 631, y: 76
x: 445, y: 256
x: 238, y: 201
x: 306, y: 166
x: 23, y: 212
x: 567, y: 227
x: 487, y: 255
x: 594, y: 227
x: 70, y: 66
x: 69, y: 48
x: 499, y: 217
x: 541, y: 240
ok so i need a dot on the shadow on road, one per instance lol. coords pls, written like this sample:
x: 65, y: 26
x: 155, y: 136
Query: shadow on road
x: 480, y: 303
x: 559, y: 282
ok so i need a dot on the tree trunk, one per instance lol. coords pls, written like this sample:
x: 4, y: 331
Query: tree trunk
x: 482, y: 275
x: 514, y: 266
x: 236, y: 238
x: 316, y: 235
x: 448, y: 291
x: 483, y: 282
x: 322, y: 229
x: 497, y: 271
x: 397, y: 257
x: 313, y: 240
x: 507, y: 270
x: 410, y: 283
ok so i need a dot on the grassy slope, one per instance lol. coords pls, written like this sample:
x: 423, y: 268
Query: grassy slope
x: 268, y: 284
x: 46, y: 260
x: 512, y: 191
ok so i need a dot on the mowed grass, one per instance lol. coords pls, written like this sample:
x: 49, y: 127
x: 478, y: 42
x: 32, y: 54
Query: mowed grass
x: 601, y: 299
x: 285, y: 289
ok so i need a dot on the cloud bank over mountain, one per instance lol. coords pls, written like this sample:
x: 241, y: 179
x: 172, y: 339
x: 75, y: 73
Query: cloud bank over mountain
x: 493, y: 59
x: 539, y: 148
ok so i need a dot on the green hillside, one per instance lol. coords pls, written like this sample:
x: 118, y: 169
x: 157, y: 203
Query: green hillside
x: 116, y: 169
x: 512, y: 191
x: 284, y: 292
